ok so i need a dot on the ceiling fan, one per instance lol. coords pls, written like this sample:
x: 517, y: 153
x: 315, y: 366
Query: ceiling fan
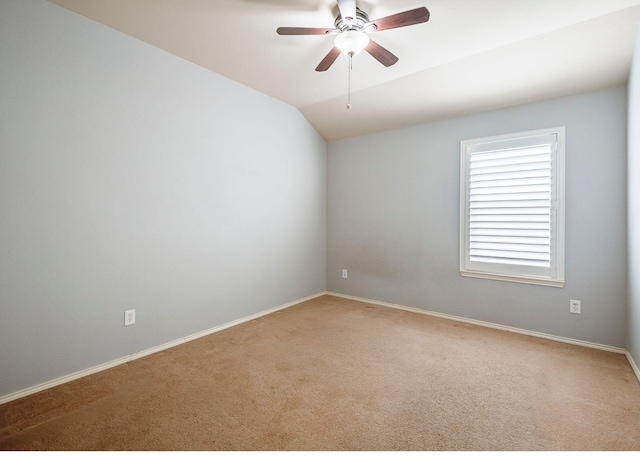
x: 351, y: 28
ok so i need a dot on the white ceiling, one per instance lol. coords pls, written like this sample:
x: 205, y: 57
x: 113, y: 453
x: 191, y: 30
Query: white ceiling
x: 472, y: 55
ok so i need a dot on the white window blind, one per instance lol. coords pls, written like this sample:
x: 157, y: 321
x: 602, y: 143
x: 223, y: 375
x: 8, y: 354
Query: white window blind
x: 511, y: 209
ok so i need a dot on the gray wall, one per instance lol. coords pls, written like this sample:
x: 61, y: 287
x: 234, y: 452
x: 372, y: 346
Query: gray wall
x: 130, y: 178
x: 633, y: 343
x: 393, y: 220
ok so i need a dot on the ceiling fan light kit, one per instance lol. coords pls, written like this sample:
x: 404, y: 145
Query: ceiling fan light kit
x: 352, y: 26
x: 352, y: 42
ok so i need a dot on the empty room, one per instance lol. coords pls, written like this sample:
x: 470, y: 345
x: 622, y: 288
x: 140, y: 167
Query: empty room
x: 319, y: 225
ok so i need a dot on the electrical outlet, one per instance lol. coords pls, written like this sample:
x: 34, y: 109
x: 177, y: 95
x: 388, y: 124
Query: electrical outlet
x: 129, y: 317
x: 574, y: 307
x: 344, y: 274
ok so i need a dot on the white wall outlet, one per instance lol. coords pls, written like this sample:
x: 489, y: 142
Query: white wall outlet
x: 344, y: 274
x: 129, y: 317
x: 574, y: 307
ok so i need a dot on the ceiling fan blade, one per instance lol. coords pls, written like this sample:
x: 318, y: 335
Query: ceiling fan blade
x: 403, y: 19
x: 347, y: 10
x: 381, y: 54
x: 302, y: 31
x: 328, y: 60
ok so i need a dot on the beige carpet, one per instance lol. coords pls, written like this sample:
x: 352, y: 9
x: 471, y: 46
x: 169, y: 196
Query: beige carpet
x: 335, y: 374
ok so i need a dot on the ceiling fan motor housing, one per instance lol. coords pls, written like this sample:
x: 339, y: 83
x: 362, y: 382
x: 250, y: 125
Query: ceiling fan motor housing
x: 358, y: 22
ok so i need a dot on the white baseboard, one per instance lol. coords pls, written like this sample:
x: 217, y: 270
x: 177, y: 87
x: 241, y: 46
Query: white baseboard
x: 129, y: 358
x: 137, y: 355
x: 633, y: 365
x: 561, y: 339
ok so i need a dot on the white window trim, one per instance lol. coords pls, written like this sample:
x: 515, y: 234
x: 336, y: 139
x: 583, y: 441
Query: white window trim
x: 558, y: 246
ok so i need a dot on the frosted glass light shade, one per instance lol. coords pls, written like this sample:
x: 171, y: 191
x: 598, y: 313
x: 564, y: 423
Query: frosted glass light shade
x: 351, y: 43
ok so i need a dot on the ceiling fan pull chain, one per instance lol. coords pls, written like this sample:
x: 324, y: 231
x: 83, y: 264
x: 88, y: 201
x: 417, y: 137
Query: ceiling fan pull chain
x: 349, y: 82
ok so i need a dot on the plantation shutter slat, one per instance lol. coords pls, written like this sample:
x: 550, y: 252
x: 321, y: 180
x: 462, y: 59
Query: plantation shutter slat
x: 510, y: 206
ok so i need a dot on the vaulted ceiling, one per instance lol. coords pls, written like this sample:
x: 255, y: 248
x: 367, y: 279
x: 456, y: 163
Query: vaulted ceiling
x: 471, y: 56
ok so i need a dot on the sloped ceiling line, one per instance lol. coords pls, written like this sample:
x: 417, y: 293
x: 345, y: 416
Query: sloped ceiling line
x: 472, y: 55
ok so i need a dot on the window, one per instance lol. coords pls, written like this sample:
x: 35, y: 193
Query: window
x: 512, y: 207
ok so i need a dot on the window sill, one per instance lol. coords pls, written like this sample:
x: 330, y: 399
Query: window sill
x: 513, y: 278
